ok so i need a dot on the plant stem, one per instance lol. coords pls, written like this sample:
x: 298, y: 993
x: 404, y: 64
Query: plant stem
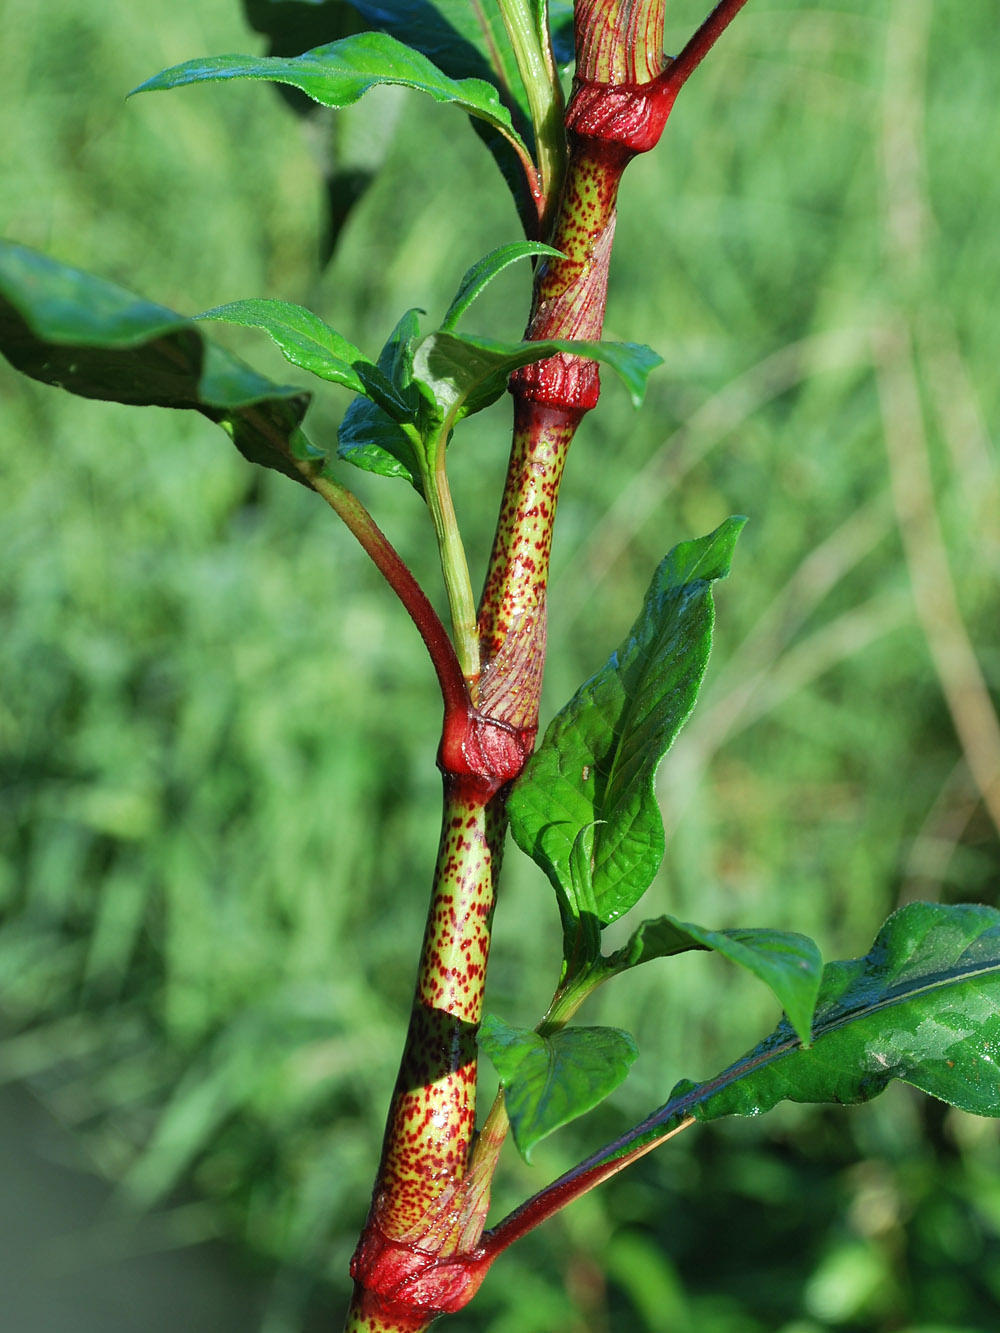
x: 512, y: 608
x: 454, y: 565
x: 400, y: 579
x: 619, y: 41
x: 573, y: 1185
x: 423, y: 1251
x: 431, y: 1122
x: 535, y: 63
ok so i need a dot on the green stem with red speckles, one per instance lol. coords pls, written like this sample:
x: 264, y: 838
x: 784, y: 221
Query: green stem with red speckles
x: 423, y: 1251
x: 424, y: 1211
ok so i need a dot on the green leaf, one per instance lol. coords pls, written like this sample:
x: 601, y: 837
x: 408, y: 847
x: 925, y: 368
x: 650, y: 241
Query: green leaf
x: 549, y: 1081
x: 371, y: 439
x: 465, y: 374
x: 339, y: 74
x: 789, y: 964
x: 582, y: 925
x: 485, y: 270
x: 307, y: 341
x: 80, y: 333
x: 922, y: 1006
x: 600, y: 754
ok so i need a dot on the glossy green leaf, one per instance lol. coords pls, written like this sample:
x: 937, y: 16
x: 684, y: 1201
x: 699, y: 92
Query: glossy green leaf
x: 789, y: 964
x: 371, y: 439
x: 549, y: 1081
x: 307, y: 341
x: 465, y: 374
x: 922, y: 1006
x: 93, y: 338
x: 599, y: 756
x: 339, y: 74
x: 482, y: 273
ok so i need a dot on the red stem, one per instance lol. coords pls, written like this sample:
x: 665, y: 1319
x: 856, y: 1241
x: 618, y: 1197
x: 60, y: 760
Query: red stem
x: 576, y: 1182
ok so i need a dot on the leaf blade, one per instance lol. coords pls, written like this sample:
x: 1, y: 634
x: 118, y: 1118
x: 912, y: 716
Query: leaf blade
x: 70, y: 329
x: 789, y: 964
x: 597, y: 762
x: 552, y: 1079
x: 369, y: 438
x: 463, y: 40
x: 310, y: 343
x: 485, y: 270
x: 922, y: 1006
x: 339, y: 74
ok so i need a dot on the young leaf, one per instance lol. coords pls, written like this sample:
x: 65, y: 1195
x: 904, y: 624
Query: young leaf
x: 339, y: 74
x: 482, y: 273
x: 371, y: 439
x: 307, y: 341
x: 549, y: 1081
x: 789, y: 964
x: 93, y: 338
x: 465, y: 374
x: 922, y: 1006
x: 600, y: 754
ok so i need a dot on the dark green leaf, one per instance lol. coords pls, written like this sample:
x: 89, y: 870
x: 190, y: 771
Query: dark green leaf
x: 549, y: 1081
x: 485, y: 270
x: 368, y: 437
x: 339, y: 74
x: 789, y: 964
x: 374, y: 442
x: 465, y: 374
x: 923, y: 1006
x: 307, y: 341
x: 600, y: 754
x: 68, y: 328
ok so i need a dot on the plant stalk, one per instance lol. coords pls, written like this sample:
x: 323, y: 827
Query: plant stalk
x: 423, y: 1251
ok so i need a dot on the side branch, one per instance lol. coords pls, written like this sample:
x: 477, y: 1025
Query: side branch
x: 601, y: 1166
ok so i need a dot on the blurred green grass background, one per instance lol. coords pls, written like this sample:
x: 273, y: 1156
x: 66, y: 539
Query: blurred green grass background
x: 217, y: 733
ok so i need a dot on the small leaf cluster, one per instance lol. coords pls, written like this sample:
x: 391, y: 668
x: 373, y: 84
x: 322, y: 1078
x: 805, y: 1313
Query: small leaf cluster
x: 585, y: 810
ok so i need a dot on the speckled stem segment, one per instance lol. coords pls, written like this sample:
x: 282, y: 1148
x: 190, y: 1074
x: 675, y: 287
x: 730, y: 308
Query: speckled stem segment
x: 606, y: 126
x: 424, y: 1210
x: 512, y: 610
